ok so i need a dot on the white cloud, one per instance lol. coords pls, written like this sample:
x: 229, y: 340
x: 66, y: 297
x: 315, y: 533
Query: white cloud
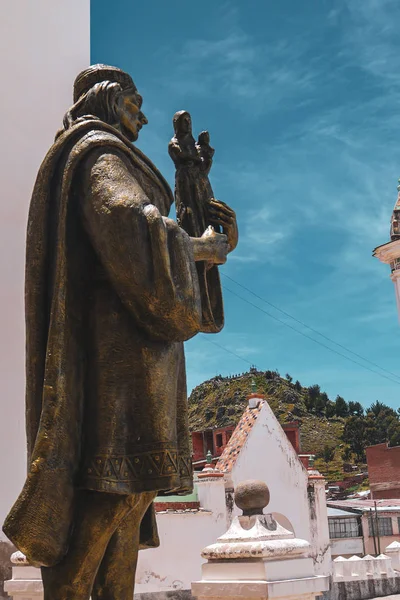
x: 239, y: 67
x: 371, y: 33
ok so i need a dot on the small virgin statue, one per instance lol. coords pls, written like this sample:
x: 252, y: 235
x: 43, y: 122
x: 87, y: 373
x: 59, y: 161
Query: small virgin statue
x: 197, y: 211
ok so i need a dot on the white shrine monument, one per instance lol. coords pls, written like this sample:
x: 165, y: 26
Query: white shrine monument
x: 257, y: 558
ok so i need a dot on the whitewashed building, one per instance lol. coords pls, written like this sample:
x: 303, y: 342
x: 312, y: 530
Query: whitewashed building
x: 258, y: 449
x: 345, y: 532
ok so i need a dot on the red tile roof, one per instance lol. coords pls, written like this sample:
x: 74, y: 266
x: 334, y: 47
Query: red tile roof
x: 229, y: 456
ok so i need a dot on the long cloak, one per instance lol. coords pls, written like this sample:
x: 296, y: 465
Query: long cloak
x: 154, y: 280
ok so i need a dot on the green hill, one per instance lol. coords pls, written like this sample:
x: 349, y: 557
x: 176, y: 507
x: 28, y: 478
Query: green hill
x: 220, y: 401
x: 335, y: 431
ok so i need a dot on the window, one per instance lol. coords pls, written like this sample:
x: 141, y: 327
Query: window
x: 208, y: 442
x: 218, y: 439
x: 344, y: 528
x: 384, y: 525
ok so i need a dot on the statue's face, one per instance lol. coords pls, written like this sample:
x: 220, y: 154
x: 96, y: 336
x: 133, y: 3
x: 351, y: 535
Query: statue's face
x: 131, y: 117
x: 186, y: 124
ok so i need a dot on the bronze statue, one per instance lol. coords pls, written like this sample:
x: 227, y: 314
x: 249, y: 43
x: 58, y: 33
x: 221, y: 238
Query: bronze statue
x: 112, y: 292
x: 197, y: 210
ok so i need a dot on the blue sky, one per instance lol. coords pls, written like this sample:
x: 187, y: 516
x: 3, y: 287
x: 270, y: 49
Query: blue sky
x: 302, y: 101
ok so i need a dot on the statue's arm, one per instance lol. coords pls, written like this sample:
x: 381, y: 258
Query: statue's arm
x: 148, y: 258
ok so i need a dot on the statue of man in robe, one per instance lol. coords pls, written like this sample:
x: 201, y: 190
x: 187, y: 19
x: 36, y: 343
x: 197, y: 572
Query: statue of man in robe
x: 111, y: 294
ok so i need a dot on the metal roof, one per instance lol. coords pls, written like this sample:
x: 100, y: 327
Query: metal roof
x: 360, y: 505
x: 337, y: 512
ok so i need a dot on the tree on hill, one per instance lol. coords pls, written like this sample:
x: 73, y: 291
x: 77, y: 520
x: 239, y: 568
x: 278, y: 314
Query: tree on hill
x: 328, y: 454
x: 298, y: 386
x: 354, y: 436
x: 312, y: 399
x: 377, y: 408
x: 381, y: 421
x: 394, y: 432
x: 342, y: 409
x: 346, y: 454
x: 355, y: 408
x: 314, y: 391
x: 330, y: 409
x: 321, y: 403
x: 380, y: 424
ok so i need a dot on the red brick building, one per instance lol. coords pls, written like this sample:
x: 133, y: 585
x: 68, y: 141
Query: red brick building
x: 384, y: 471
x: 213, y: 440
x: 293, y: 434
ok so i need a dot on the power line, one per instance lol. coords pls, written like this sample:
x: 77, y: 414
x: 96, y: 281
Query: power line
x: 226, y: 350
x: 310, y: 338
x: 310, y: 328
x: 282, y: 380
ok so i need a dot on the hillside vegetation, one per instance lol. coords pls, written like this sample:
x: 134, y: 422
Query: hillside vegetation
x: 335, y: 431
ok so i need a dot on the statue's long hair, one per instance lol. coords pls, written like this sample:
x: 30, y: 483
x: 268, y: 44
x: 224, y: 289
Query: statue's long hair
x: 100, y: 102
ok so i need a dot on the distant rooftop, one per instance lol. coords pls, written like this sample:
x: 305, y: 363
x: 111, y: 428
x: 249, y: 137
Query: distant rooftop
x: 360, y: 505
x: 337, y: 512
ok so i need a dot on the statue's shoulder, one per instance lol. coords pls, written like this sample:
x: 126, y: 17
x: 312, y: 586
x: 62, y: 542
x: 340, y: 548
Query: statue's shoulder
x: 72, y: 146
x: 98, y: 135
x: 95, y: 138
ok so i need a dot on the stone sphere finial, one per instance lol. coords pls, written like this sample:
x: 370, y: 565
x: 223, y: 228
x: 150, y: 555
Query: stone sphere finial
x: 252, y: 497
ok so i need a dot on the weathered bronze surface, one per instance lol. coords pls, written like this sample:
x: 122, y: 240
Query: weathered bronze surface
x: 197, y: 209
x: 113, y: 289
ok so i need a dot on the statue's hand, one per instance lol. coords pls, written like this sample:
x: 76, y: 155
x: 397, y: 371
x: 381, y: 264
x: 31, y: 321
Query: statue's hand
x: 221, y: 214
x: 211, y: 247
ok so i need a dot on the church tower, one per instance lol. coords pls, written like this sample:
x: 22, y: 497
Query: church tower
x: 389, y: 253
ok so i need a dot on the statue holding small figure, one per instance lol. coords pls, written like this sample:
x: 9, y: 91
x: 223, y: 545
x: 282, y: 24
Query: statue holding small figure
x: 113, y: 289
x: 198, y: 212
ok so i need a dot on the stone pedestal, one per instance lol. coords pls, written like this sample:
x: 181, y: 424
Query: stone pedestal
x: 26, y: 582
x: 319, y: 530
x: 257, y: 558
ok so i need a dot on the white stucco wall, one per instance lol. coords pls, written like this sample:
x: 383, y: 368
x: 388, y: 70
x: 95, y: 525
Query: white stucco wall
x: 319, y: 540
x: 177, y: 562
x: 42, y: 48
x: 268, y: 455
x: 347, y: 547
x: 211, y: 495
